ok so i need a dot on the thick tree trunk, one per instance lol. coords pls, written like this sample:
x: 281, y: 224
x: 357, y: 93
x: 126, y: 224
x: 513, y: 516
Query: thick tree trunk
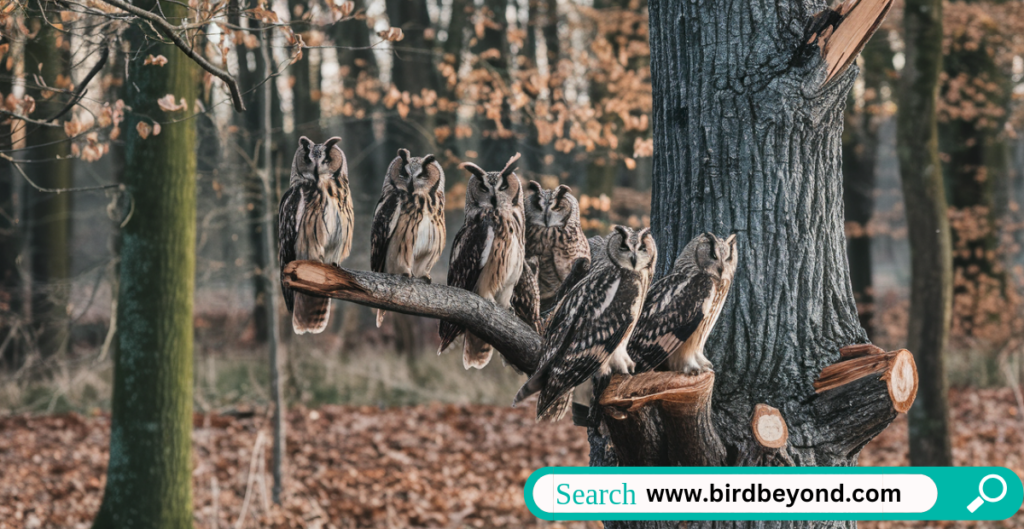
x: 12, y: 236
x: 150, y: 469
x: 497, y: 142
x: 306, y: 72
x: 928, y: 229
x: 49, y: 213
x: 747, y: 141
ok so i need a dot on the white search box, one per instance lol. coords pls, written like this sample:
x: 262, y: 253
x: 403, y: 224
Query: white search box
x: 734, y: 493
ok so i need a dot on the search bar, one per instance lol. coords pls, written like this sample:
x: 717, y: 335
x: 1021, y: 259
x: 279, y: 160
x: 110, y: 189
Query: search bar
x: 794, y: 493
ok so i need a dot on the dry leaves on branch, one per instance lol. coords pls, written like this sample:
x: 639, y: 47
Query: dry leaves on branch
x: 158, y: 60
x: 145, y: 129
x: 167, y: 104
x: 391, y: 34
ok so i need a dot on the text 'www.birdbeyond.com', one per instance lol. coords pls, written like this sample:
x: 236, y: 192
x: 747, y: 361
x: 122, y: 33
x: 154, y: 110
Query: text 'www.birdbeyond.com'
x: 924, y: 493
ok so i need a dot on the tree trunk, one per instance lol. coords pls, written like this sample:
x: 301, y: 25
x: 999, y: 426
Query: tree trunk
x: 12, y: 237
x: 306, y: 71
x: 860, y: 156
x: 150, y: 470
x: 928, y: 229
x: 497, y: 142
x: 49, y: 214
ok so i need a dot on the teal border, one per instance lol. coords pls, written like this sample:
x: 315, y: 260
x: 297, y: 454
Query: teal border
x: 956, y: 486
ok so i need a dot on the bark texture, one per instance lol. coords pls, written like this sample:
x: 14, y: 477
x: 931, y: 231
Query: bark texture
x: 747, y: 141
x: 931, y: 287
x: 150, y: 471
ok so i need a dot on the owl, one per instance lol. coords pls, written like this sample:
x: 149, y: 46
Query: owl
x: 315, y: 223
x: 526, y: 295
x: 588, y: 333
x: 489, y: 251
x: 554, y: 236
x: 682, y: 307
x: 408, y: 233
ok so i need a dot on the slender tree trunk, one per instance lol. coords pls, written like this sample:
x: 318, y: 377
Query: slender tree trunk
x: 251, y: 69
x: 150, y: 471
x: 928, y: 229
x: 497, y: 143
x: 306, y: 89
x: 860, y: 157
x: 270, y: 275
x: 49, y: 214
x: 12, y: 236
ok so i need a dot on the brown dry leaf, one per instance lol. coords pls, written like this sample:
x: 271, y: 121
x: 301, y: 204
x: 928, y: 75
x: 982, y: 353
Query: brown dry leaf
x: 158, y: 60
x: 156, y: 129
x: 144, y: 129
x: 391, y: 34
x: 167, y: 104
x: 630, y: 164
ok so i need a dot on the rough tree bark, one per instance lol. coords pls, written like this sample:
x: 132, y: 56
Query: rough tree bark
x: 928, y: 228
x: 49, y: 214
x: 747, y: 140
x: 150, y: 471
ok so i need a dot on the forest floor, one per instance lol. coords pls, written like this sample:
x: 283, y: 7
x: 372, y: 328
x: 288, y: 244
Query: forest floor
x: 438, y: 465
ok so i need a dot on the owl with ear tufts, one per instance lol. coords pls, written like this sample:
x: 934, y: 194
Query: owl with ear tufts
x: 315, y: 223
x: 589, y: 331
x: 683, y: 307
x: 488, y: 253
x: 554, y: 236
x: 408, y: 232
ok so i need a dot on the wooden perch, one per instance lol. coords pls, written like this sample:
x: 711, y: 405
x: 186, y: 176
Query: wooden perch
x: 518, y: 343
x: 664, y: 418
x: 770, y: 437
x: 861, y: 394
x: 845, y: 31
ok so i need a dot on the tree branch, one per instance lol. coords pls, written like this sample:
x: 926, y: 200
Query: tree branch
x: 171, y: 32
x: 517, y: 342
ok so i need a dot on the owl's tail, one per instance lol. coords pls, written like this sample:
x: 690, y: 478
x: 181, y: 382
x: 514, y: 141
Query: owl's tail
x: 555, y: 409
x: 476, y: 352
x: 380, y: 317
x: 310, y: 314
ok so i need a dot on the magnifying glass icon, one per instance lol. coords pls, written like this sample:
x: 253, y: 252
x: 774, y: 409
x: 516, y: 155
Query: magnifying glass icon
x: 982, y: 498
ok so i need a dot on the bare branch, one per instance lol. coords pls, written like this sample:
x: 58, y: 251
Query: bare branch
x: 171, y: 32
x: 519, y: 344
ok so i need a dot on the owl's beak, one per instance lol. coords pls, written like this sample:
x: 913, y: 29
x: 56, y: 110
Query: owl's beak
x: 632, y: 259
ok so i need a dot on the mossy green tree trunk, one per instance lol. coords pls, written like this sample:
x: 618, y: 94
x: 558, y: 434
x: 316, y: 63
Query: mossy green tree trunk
x: 149, y: 474
x: 49, y: 213
x: 928, y: 229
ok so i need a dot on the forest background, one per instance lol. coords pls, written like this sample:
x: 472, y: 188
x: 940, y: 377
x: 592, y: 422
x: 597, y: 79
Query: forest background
x: 565, y: 82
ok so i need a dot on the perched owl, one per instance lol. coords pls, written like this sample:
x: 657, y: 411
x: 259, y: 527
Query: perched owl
x: 408, y: 233
x: 682, y: 307
x: 589, y: 331
x: 315, y: 223
x: 526, y: 296
x: 488, y: 253
x: 554, y: 236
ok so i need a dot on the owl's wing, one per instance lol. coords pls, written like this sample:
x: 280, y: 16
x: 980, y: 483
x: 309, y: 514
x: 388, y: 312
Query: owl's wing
x: 288, y: 218
x: 673, y: 310
x: 587, y: 327
x: 470, y: 251
x: 385, y: 218
x: 580, y: 268
x: 526, y: 295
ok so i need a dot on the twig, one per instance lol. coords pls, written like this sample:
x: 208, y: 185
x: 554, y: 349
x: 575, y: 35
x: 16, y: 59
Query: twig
x: 171, y: 32
x: 256, y: 449
x: 57, y: 190
x: 80, y: 91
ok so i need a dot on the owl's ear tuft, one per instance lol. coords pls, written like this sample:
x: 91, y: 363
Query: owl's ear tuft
x: 510, y: 167
x: 473, y: 168
x: 404, y: 155
x: 622, y: 230
x: 305, y: 143
x: 561, y: 191
x: 429, y: 159
x: 731, y: 240
x: 533, y: 187
x: 332, y: 142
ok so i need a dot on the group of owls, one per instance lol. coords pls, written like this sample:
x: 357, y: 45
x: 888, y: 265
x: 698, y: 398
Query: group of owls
x: 523, y: 250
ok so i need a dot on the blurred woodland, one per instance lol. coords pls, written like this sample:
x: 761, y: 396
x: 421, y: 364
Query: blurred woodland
x: 566, y: 83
